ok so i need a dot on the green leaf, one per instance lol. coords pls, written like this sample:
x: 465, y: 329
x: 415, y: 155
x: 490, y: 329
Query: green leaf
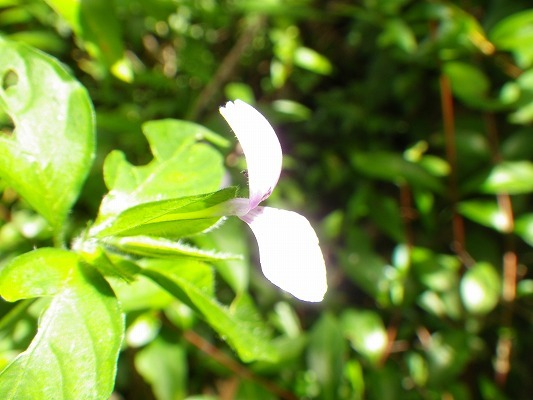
x: 169, y: 378
x: 366, y: 268
x: 366, y: 332
x: 514, y: 33
x: 140, y: 294
x: 394, y: 168
x: 512, y: 177
x: 191, y: 281
x: 518, y: 145
x: 487, y: 213
x: 156, y: 247
x: 397, y: 33
x: 50, y: 151
x: 480, y: 288
x: 326, y: 355
x: 172, y: 218
x: 74, y: 354
x: 95, y: 22
x: 448, y: 353
x: 230, y: 237
x: 183, y: 166
x: 309, y: 59
x: 524, y: 228
x: 469, y: 83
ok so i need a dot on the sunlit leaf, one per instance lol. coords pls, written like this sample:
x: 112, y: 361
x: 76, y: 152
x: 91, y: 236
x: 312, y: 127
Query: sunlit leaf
x: 512, y: 177
x: 95, y: 22
x: 157, y: 247
x: 48, y: 155
x: 192, y: 283
x: 514, y: 33
x: 524, y: 228
x: 182, y: 166
x: 309, y: 59
x: 142, y: 329
x: 164, y: 366
x: 480, y: 288
x: 171, y: 218
x: 487, y: 213
x: 366, y: 333
x: 74, y: 354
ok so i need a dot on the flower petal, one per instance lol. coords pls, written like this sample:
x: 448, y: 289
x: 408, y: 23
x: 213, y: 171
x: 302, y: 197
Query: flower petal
x: 289, y: 253
x: 260, y: 145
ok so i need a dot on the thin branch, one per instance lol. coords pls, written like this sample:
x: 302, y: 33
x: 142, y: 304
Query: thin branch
x: 502, y: 363
x: 448, y: 117
x: 227, y: 67
x: 238, y: 369
x: 408, y: 214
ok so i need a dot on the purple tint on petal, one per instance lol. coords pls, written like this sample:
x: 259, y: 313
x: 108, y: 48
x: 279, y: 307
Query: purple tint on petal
x: 252, y: 213
x: 238, y: 206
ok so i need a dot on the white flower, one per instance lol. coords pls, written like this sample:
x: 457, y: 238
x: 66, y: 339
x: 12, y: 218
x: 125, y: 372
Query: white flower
x: 288, y: 246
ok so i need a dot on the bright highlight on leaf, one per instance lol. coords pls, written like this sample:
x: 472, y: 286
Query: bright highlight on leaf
x: 288, y: 246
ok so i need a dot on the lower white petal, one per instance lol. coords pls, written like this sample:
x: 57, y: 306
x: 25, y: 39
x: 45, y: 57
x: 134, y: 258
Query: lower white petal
x: 289, y: 252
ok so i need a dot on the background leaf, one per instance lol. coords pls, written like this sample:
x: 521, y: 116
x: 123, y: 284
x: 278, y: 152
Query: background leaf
x: 512, y: 177
x: 96, y: 26
x: 480, y: 288
x: 164, y: 365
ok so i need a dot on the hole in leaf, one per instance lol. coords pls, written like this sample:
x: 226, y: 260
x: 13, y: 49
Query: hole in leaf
x: 7, y: 126
x: 9, y: 79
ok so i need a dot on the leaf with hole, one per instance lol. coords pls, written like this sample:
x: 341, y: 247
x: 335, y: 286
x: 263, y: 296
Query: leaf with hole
x: 47, y: 155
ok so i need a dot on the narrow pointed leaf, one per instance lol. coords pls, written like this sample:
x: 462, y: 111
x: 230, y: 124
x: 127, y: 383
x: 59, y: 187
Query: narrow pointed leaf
x: 192, y: 282
x: 182, y: 166
x: 172, y: 218
x: 156, y: 247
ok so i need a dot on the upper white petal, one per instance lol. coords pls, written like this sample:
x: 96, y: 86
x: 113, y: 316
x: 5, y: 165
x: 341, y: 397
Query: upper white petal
x: 289, y: 252
x: 260, y: 145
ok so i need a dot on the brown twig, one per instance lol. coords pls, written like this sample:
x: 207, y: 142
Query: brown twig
x: 408, y: 215
x: 448, y: 117
x: 235, y: 367
x: 227, y: 67
x: 502, y: 363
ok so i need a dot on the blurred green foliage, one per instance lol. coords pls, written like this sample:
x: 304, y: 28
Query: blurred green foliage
x: 407, y: 129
